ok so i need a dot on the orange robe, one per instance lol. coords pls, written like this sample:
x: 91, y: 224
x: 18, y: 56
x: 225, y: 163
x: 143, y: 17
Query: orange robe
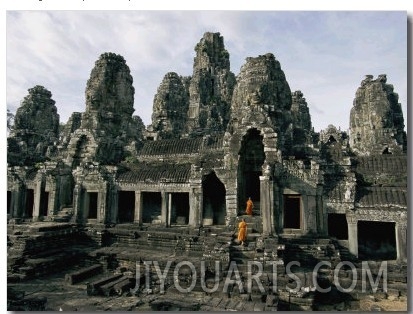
x: 250, y: 205
x: 242, y: 233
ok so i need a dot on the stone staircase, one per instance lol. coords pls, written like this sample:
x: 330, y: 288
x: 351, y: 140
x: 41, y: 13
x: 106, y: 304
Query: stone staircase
x: 345, y: 255
x: 43, y: 248
x: 64, y: 215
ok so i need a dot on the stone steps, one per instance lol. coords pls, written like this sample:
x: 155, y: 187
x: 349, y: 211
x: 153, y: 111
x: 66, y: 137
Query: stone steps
x: 64, y: 215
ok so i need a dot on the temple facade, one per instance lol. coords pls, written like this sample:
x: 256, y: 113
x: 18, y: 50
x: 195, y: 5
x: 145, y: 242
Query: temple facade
x: 215, y: 139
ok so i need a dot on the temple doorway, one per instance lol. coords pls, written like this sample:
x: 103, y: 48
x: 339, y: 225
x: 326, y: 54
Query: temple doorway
x: 376, y: 240
x: 126, y: 206
x: 251, y: 159
x: 92, y: 205
x: 292, y: 211
x: 180, y: 208
x: 214, y: 210
x: 29, y: 203
x: 152, y: 207
x: 44, y: 203
x: 337, y: 226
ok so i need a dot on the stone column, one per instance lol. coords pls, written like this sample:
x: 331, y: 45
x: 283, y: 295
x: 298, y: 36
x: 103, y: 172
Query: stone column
x: 265, y: 206
x: 102, y: 215
x: 164, y: 208
x: 352, y: 234
x: 113, y: 208
x: 37, y: 199
x: 77, y: 204
x: 169, y: 208
x: 17, y: 201
x: 277, y: 208
x: 401, y: 241
x: 52, y: 205
x: 137, y: 217
x: 229, y: 179
x: 320, y: 210
x: 196, y: 203
x: 231, y: 203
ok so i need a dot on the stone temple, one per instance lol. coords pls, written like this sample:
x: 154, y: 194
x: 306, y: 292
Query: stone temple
x: 91, y: 200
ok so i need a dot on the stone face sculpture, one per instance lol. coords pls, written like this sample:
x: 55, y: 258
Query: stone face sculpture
x: 107, y: 124
x: 210, y: 87
x: 301, y: 121
x: 170, y: 107
x: 109, y: 95
x: 36, y: 127
x: 262, y: 96
x: 376, y: 119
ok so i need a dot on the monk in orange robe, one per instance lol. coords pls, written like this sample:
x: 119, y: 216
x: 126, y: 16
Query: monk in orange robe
x: 250, y: 206
x: 242, y: 231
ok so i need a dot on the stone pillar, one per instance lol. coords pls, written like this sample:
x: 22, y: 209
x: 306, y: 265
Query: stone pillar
x: 231, y: 203
x: 102, y: 215
x: 169, y: 208
x: 265, y: 206
x: 137, y: 217
x: 277, y: 208
x: 17, y: 201
x: 164, y: 208
x: 352, y: 234
x: 113, y: 207
x: 196, y: 203
x: 321, y: 229
x: 37, y: 199
x: 53, y: 200
x: 77, y: 204
x: 401, y: 241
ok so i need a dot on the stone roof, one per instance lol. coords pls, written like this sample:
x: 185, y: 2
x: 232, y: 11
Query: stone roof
x: 378, y: 196
x: 156, y: 173
x: 187, y: 146
x: 382, y: 164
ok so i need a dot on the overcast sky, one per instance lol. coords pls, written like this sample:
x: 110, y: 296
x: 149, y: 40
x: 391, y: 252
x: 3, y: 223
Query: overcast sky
x: 325, y: 54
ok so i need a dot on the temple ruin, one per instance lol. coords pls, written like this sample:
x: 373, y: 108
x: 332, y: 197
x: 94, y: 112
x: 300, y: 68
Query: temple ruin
x: 95, y: 197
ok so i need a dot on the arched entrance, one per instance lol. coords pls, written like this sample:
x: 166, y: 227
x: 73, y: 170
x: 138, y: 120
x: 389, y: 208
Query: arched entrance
x: 214, y: 210
x: 251, y: 159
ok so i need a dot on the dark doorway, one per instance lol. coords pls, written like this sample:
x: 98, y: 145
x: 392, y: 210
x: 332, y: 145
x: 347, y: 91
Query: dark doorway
x: 376, y: 240
x: 251, y: 159
x: 93, y: 205
x: 214, y: 210
x: 126, y: 206
x: 44, y: 203
x: 337, y: 226
x: 29, y: 203
x: 8, y: 202
x: 180, y: 208
x: 152, y: 207
x: 252, y: 185
x: 292, y: 211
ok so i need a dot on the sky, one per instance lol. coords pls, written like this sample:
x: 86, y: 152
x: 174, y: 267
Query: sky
x: 325, y: 54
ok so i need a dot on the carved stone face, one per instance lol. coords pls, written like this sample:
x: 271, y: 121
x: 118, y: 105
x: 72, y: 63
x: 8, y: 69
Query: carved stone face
x: 256, y: 97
